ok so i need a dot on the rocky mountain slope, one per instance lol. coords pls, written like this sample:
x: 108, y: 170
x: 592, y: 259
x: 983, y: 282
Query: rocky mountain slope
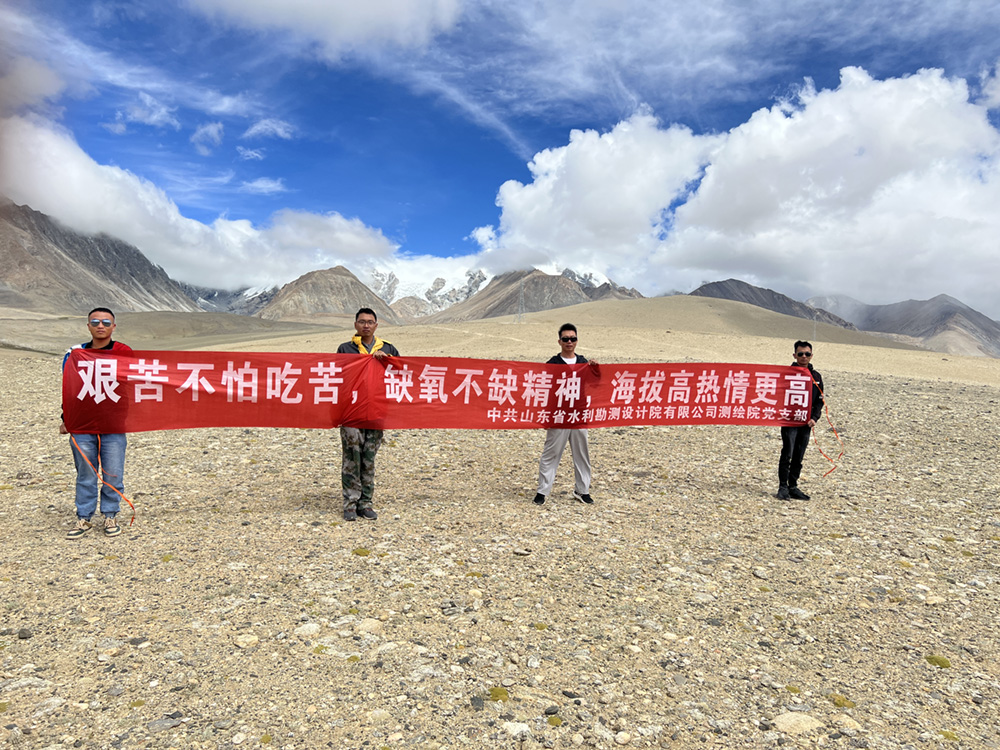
x: 941, y: 323
x: 48, y: 268
x: 529, y: 291
x: 332, y: 291
x: 740, y: 291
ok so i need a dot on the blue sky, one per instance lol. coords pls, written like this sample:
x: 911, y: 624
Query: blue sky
x: 809, y: 147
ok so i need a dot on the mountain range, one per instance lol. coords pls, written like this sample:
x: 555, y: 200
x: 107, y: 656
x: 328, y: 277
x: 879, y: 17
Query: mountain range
x: 45, y: 267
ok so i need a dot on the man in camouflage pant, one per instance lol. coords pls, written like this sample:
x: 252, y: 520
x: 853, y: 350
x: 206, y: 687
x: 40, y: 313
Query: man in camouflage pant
x: 360, y: 446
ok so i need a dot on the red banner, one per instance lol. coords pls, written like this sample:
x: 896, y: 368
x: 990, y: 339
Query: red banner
x: 165, y: 390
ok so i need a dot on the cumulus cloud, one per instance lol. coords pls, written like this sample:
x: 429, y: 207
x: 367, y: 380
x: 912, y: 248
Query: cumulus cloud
x: 147, y: 110
x: 877, y: 189
x: 207, y: 136
x: 341, y: 24
x: 26, y: 84
x: 270, y: 128
x: 46, y: 169
x: 264, y: 186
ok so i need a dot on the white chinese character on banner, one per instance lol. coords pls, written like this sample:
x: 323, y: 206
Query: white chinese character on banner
x: 623, y: 387
x: 766, y: 388
x: 501, y: 387
x: 432, y: 384
x: 326, y: 382
x: 798, y: 390
x: 680, y: 390
x: 535, y: 388
x: 148, y: 380
x: 568, y: 389
x: 195, y: 381
x: 468, y: 384
x: 736, y: 386
x: 651, y: 387
x: 100, y: 379
x: 280, y: 383
x: 707, y: 386
x: 398, y: 383
x: 240, y: 382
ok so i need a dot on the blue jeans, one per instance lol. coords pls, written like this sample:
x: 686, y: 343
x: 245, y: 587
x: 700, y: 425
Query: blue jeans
x: 109, y: 459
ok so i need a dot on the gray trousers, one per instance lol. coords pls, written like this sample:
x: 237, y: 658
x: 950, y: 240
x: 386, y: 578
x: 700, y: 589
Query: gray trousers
x: 555, y: 444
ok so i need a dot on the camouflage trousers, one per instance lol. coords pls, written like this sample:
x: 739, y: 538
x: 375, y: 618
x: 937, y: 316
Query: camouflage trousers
x: 357, y: 471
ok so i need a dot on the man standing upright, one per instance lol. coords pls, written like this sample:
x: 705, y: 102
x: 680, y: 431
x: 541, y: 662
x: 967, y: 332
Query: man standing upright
x: 556, y: 439
x: 99, y: 459
x: 361, y: 446
x: 795, y: 440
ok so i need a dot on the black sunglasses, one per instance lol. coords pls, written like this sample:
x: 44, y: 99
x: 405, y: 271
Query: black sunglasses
x: 803, y: 354
x: 568, y: 339
x: 106, y: 322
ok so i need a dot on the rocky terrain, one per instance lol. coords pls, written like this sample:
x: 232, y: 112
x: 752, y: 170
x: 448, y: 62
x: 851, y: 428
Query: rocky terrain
x: 686, y: 608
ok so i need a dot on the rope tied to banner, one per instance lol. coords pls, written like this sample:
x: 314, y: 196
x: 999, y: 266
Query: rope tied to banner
x: 826, y: 410
x: 100, y: 474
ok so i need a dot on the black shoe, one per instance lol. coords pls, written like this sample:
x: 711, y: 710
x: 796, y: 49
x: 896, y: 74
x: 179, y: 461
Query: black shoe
x: 783, y: 493
x: 797, y: 493
x: 539, y: 499
x: 584, y: 498
x: 368, y: 513
x: 350, y: 515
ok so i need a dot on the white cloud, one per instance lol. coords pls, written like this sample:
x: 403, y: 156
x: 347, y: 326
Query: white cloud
x: 46, y: 169
x: 880, y: 189
x: 264, y: 186
x: 207, y: 136
x: 149, y: 111
x: 26, y: 84
x: 250, y: 154
x: 341, y: 24
x: 270, y: 128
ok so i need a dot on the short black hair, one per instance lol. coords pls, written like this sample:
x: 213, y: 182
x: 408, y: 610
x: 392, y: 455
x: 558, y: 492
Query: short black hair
x: 801, y: 345
x: 101, y: 309
x: 567, y: 327
x: 363, y: 311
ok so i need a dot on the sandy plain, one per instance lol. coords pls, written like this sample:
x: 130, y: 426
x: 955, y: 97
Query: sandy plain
x: 686, y: 608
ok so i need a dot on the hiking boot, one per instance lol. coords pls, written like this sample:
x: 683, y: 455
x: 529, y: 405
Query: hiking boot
x: 782, y: 493
x: 81, y: 528
x: 111, y: 527
x: 350, y: 515
x: 368, y: 513
x: 797, y: 493
x: 539, y: 499
x: 584, y: 497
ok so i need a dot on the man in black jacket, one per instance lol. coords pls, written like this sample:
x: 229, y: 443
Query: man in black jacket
x: 795, y: 440
x: 556, y: 439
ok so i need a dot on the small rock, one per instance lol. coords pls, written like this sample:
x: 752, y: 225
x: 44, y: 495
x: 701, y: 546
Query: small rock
x: 521, y: 552
x: 623, y: 738
x: 161, y: 725
x: 247, y: 640
x: 796, y: 723
x: 516, y: 729
x: 304, y: 631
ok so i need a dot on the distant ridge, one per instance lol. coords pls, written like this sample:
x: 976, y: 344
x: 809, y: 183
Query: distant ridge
x: 740, y: 291
x: 332, y: 291
x: 941, y: 323
x: 46, y: 267
x: 539, y: 291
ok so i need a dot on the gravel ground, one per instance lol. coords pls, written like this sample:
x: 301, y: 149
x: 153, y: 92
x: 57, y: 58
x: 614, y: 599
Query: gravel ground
x: 686, y: 608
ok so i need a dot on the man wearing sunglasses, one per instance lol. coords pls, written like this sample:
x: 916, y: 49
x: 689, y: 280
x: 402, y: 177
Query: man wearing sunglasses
x: 357, y: 470
x: 556, y: 439
x: 795, y: 440
x: 99, y: 459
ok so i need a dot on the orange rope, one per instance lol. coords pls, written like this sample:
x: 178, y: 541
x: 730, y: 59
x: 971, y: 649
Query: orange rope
x: 99, y: 474
x: 830, y: 421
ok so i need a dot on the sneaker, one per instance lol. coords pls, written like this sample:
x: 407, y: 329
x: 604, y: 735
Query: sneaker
x: 111, y: 527
x: 81, y: 528
x: 350, y: 515
x: 539, y: 499
x: 782, y: 493
x: 368, y: 513
x: 583, y: 498
x: 797, y: 493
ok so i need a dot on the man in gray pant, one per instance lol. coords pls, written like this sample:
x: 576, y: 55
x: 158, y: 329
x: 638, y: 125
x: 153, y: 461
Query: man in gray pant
x: 556, y: 439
